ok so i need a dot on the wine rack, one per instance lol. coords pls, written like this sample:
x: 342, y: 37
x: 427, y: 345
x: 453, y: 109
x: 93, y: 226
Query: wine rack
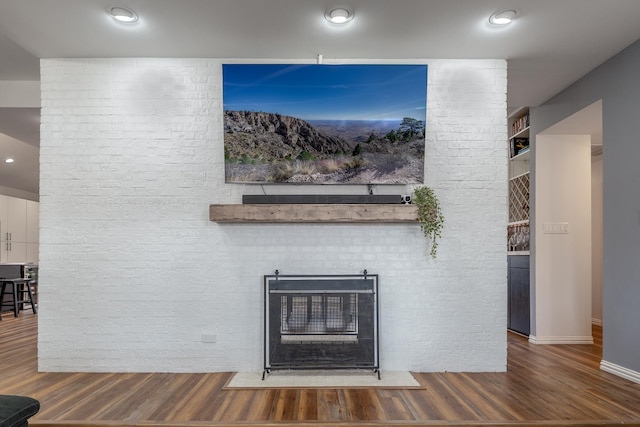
x: 519, y: 198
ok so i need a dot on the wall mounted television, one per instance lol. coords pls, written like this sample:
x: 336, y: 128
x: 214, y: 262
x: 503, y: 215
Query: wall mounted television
x: 324, y: 124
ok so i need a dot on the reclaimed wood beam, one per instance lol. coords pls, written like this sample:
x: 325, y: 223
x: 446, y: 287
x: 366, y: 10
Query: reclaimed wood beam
x: 313, y: 213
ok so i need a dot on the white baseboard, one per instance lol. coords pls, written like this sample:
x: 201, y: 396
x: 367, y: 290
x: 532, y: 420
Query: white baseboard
x: 620, y: 371
x: 561, y: 340
x: 596, y: 322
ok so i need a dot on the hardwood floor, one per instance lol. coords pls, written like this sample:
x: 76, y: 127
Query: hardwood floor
x: 544, y: 385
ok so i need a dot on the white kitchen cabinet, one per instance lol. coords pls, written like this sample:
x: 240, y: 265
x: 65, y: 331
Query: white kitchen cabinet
x: 33, y: 221
x: 18, y: 230
x: 4, y: 247
x: 33, y: 252
x: 17, y: 252
x: 16, y: 219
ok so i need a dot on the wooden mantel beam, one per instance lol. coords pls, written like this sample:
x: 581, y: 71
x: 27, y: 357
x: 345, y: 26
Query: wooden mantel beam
x: 313, y: 213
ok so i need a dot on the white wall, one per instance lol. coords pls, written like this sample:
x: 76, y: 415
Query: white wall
x: 563, y: 266
x: 132, y: 272
x: 596, y: 240
x: 614, y: 84
x: 19, y: 94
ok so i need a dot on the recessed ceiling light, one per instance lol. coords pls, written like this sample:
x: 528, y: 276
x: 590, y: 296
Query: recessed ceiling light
x: 123, y: 14
x: 503, y: 17
x: 9, y: 160
x: 338, y: 15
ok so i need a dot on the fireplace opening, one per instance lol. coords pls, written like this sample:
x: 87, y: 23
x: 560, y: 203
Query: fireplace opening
x: 321, y: 322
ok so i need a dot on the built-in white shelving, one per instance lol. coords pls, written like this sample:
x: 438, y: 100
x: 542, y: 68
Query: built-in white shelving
x: 519, y: 155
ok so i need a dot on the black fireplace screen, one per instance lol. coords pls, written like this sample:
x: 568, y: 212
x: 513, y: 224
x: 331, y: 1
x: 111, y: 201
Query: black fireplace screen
x: 325, y: 322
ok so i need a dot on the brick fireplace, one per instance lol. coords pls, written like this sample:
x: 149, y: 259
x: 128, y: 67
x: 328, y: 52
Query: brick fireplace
x: 132, y: 228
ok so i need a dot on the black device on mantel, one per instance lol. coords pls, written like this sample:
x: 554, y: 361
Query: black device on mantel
x: 323, y: 199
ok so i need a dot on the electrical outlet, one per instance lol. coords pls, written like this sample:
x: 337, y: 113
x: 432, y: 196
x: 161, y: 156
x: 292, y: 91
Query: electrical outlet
x: 209, y: 338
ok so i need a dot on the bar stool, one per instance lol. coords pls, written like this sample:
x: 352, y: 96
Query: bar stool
x: 17, y: 290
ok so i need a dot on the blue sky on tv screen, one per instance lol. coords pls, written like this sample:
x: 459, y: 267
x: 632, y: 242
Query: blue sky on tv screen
x: 327, y: 92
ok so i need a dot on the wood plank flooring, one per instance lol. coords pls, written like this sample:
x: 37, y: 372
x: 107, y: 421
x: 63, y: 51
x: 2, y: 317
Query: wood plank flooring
x: 544, y: 385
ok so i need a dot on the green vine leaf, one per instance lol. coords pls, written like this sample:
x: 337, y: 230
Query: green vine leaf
x: 430, y: 215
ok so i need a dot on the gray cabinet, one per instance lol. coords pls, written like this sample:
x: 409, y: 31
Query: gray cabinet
x: 518, y: 311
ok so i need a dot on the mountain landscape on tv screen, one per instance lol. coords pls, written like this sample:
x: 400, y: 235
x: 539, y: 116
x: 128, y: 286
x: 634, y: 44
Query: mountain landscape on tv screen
x: 273, y: 148
x: 324, y: 124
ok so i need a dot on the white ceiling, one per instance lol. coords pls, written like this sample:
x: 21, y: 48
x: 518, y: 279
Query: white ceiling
x: 551, y: 45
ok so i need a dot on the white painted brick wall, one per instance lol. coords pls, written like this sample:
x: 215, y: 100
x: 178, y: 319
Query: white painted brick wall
x: 132, y: 272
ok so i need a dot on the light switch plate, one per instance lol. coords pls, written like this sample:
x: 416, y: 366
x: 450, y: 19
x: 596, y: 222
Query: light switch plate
x: 555, y: 228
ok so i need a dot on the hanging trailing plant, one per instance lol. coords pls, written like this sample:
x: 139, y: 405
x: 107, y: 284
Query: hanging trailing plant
x: 430, y: 215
